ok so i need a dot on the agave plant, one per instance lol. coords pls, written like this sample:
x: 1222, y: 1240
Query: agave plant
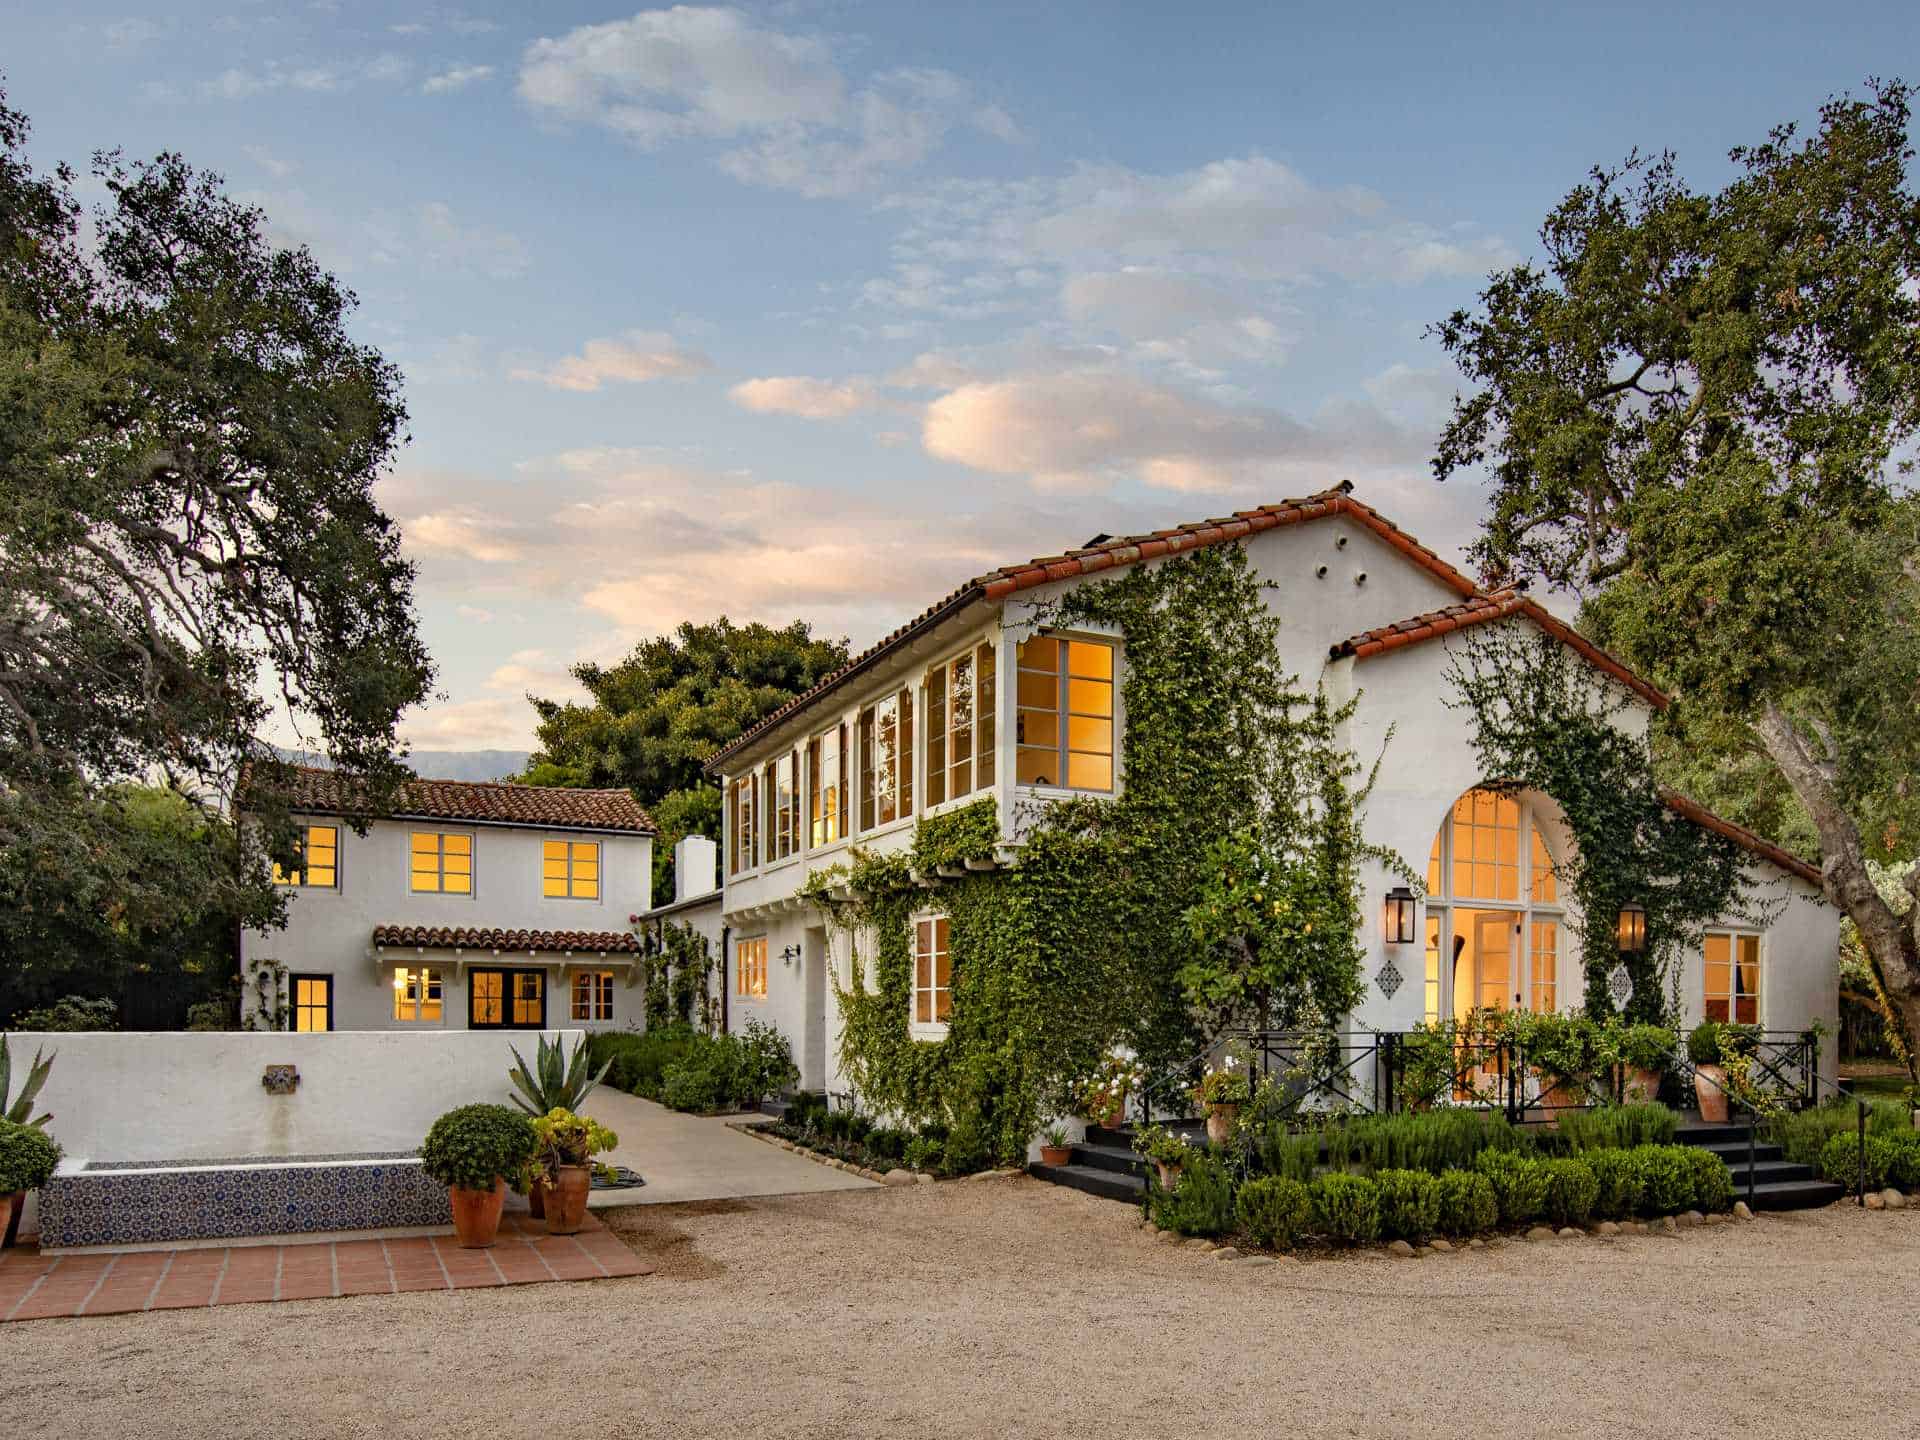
x: 554, y: 1082
x: 19, y: 1107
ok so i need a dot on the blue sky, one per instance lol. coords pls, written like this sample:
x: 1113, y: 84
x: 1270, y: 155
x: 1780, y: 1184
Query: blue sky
x: 816, y: 309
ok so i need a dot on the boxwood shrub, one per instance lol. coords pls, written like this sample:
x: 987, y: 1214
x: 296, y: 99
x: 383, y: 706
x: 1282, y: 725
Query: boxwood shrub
x: 1201, y: 1204
x: 1467, y: 1202
x: 1668, y: 1178
x: 28, y: 1156
x: 1572, y: 1190
x: 475, y: 1145
x: 1519, y: 1184
x: 1274, y: 1211
x: 1409, y: 1204
x: 1619, y: 1182
x: 1346, y: 1209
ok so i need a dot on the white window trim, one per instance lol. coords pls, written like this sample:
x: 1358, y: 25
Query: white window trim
x: 418, y: 1022
x: 1734, y: 934
x: 1524, y: 910
x: 596, y: 973
x: 1010, y: 744
x: 740, y: 996
x: 929, y: 1030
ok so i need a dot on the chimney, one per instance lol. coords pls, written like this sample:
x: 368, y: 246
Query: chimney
x: 696, y: 868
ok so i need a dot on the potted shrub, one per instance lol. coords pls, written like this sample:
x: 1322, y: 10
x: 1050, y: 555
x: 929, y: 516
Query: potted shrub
x: 1103, y: 1095
x: 553, y: 1081
x: 18, y: 1110
x: 474, y: 1151
x: 1709, y: 1075
x: 1169, y: 1152
x: 1428, y: 1063
x: 564, y: 1145
x: 1560, y: 1051
x: 1641, y: 1052
x: 28, y: 1157
x: 1223, y: 1090
x: 1054, y: 1149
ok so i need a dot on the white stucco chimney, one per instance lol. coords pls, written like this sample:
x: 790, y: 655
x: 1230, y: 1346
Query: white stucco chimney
x: 696, y: 868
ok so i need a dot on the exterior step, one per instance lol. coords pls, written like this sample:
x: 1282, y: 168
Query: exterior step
x: 1115, y: 1158
x: 1107, y: 1184
x: 1735, y: 1152
x: 1808, y: 1194
x: 1769, y: 1172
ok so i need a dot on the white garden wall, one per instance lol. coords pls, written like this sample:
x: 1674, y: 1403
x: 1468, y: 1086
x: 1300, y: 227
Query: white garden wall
x: 182, y: 1096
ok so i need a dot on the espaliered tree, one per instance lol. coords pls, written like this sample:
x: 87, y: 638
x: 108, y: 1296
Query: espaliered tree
x: 189, y: 439
x: 1694, y: 412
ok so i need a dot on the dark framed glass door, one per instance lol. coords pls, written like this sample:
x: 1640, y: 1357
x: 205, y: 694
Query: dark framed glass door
x: 311, y: 1002
x: 502, y: 999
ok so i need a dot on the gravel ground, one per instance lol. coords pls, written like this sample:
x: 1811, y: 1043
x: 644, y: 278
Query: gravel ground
x: 1007, y: 1307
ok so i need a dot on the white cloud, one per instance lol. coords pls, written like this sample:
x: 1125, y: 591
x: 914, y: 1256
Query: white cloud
x: 489, y: 724
x: 238, y: 83
x: 434, y: 235
x: 638, y: 357
x: 802, y: 396
x: 455, y: 77
x: 268, y: 161
x: 715, y: 74
x: 465, y: 532
x: 1171, y: 316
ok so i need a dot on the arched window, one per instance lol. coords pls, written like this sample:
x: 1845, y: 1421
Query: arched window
x: 1494, y: 921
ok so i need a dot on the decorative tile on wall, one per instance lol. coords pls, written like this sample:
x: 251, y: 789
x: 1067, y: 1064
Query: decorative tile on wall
x: 136, y: 1207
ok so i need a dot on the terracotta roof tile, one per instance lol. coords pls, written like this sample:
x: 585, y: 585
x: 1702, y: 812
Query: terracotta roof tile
x: 334, y: 792
x: 997, y: 585
x: 1477, y: 611
x: 1741, y: 836
x: 444, y: 937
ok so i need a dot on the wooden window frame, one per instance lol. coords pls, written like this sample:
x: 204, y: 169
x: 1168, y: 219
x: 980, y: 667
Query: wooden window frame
x: 1732, y: 998
x: 750, y: 968
x: 822, y: 828
x: 949, y: 778
x: 783, y: 807
x: 871, y: 717
x: 429, y: 975
x: 597, y: 994
x: 508, y: 1000
x: 934, y: 927
x: 294, y: 1007
x: 1064, y: 713
x: 741, y: 824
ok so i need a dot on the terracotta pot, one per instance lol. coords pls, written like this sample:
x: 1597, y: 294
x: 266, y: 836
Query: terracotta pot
x: 1560, y: 1097
x: 567, y: 1198
x: 1220, y: 1120
x: 476, y: 1213
x: 537, y: 1199
x: 1709, y: 1089
x: 1117, y: 1116
x: 1056, y: 1154
x: 15, y: 1204
x: 1641, y: 1085
x: 1169, y: 1175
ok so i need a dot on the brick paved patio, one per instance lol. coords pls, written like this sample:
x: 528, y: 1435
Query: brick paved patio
x: 35, y: 1286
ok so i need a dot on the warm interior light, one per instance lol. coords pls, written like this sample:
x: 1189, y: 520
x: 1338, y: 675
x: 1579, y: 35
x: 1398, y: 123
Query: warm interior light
x: 1632, y: 930
x: 1399, y: 916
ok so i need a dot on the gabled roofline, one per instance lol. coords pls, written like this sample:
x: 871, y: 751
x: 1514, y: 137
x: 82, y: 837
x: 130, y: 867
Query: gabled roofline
x: 1699, y: 814
x: 998, y: 585
x: 1478, y: 611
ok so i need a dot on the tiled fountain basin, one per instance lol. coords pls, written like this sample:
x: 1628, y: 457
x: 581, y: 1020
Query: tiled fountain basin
x: 148, y: 1202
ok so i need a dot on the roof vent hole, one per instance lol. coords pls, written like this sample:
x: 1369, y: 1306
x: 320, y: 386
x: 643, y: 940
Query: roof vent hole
x: 1361, y: 578
x: 1340, y: 542
x: 1320, y: 573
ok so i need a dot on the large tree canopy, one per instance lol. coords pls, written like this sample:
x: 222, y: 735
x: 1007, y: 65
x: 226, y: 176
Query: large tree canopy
x: 659, y: 714
x: 1696, y: 415
x: 189, y: 440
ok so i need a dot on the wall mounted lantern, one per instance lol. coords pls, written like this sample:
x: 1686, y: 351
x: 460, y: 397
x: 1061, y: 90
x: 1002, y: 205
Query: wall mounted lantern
x: 789, y: 955
x: 1632, y: 930
x: 1399, y: 916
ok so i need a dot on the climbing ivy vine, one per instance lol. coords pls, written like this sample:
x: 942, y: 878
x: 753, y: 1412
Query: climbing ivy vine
x: 676, y: 970
x: 1544, y: 721
x: 1092, y: 939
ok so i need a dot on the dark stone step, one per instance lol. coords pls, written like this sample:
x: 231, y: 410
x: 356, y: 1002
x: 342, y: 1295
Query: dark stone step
x: 1735, y: 1153
x: 1107, y: 1184
x: 1792, y: 1195
x: 1109, y: 1157
x: 1769, y: 1172
x: 1695, y: 1132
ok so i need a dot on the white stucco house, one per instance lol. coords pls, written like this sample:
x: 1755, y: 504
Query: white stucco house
x: 971, y: 699
x: 470, y: 906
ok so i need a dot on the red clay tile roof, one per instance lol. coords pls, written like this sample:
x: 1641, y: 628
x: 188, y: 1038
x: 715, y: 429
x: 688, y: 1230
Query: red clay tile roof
x: 333, y: 792
x: 997, y: 585
x: 1741, y: 836
x: 442, y: 937
x: 1479, y: 610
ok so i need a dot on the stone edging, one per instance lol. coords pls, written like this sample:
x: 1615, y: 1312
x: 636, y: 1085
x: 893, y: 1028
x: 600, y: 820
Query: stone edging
x: 889, y: 1177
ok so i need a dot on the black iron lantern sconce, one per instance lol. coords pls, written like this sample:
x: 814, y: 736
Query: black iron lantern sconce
x: 1632, y: 930
x: 789, y: 955
x: 1399, y: 916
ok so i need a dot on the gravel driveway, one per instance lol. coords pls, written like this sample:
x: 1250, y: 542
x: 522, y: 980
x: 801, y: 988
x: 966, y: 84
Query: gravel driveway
x: 1007, y: 1307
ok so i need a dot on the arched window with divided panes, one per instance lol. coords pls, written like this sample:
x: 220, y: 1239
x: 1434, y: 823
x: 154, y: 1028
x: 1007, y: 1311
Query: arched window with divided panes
x: 1495, y: 922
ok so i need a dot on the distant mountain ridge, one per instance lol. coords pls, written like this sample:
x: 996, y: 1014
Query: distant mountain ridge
x: 447, y: 764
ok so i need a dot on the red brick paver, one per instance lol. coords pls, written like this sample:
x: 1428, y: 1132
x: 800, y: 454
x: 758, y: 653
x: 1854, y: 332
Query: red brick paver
x: 38, y: 1287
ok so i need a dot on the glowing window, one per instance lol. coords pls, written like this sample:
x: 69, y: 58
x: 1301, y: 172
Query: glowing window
x: 319, y: 865
x: 1432, y: 1011
x: 1544, y: 953
x: 1733, y: 977
x: 441, y: 864
x: 960, y: 729
x: 932, y: 971
x: 570, y: 870
x: 1064, y: 713
x: 886, y: 761
x: 827, y: 787
x: 312, y: 1002
x: 417, y: 996
x: 750, y: 968
x: 593, y: 995
x: 1486, y: 846
x: 742, y: 810
x: 783, y: 806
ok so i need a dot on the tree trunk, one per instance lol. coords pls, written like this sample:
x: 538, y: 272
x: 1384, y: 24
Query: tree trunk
x: 1892, y: 941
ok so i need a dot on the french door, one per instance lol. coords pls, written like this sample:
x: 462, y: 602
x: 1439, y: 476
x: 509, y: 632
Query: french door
x: 501, y: 999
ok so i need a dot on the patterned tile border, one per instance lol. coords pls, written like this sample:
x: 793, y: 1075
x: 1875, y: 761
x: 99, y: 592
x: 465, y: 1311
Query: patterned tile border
x: 38, y: 1287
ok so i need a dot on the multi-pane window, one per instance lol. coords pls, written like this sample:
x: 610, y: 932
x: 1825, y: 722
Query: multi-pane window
x: 1544, y: 886
x: 417, y: 995
x: 742, y: 810
x: 319, y: 859
x: 750, y: 968
x: 311, y: 1006
x: 783, y: 806
x: 932, y: 971
x: 960, y: 730
x: 570, y: 870
x: 827, y: 787
x: 1544, y: 953
x: 1486, y: 846
x: 1733, y: 977
x: 593, y: 995
x: 1432, y: 1011
x: 1065, y: 713
x: 886, y: 761
x: 442, y: 864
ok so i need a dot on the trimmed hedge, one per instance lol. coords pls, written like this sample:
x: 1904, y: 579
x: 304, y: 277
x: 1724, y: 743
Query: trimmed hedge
x: 1519, y: 1183
x: 1467, y: 1202
x: 1409, y: 1204
x: 1572, y: 1189
x: 1346, y: 1209
x: 1274, y: 1211
x: 28, y: 1157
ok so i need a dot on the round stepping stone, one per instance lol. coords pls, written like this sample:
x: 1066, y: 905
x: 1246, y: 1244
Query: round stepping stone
x: 1567, y: 1232
x: 1895, y: 1200
x: 923, y: 1179
x: 1437, y: 1243
x: 1226, y: 1252
x: 1476, y: 1243
x: 1253, y: 1262
x: 1666, y: 1225
x: 1197, y: 1243
x: 1876, y: 1201
x: 1692, y: 1217
x: 1168, y: 1237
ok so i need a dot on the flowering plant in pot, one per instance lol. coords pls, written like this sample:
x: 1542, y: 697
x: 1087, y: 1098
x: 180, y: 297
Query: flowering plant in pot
x: 1167, y: 1149
x: 1561, y: 1050
x: 1102, y: 1096
x: 1640, y: 1052
x: 1223, y: 1090
x: 1054, y: 1149
x: 475, y: 1151
x: 28, y: 1158
x: 564, y: 1145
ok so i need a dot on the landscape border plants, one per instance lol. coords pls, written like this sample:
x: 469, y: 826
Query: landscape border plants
x: 28, y: 1158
